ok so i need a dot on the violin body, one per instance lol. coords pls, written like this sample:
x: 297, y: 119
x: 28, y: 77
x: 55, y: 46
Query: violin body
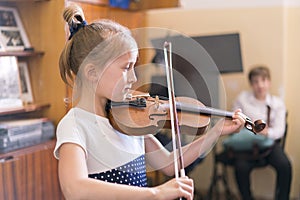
x: 142, y: 115
x: 153, y: 115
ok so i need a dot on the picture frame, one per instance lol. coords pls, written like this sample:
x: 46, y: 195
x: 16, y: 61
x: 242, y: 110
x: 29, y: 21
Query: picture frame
x: 13, y: 36
x: 25, y: 83
x: 10, y: 91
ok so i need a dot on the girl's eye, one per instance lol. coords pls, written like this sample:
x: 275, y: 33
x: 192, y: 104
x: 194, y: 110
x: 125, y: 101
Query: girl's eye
x: 128, y: 66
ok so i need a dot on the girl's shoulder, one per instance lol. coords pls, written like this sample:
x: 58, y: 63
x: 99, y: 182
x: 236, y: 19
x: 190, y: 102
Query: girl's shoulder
x: 75, y: 117
x: 68, y: 119
x: 79, y: 115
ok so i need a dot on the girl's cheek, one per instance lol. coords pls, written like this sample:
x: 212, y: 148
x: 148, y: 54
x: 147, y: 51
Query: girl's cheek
x: 125, y: 76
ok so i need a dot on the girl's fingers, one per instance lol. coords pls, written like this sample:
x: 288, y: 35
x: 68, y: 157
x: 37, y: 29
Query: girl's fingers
x: 186, y: 187
x: 238, y: 117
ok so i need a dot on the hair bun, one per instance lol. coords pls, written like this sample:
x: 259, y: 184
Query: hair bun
x: 73, y: 15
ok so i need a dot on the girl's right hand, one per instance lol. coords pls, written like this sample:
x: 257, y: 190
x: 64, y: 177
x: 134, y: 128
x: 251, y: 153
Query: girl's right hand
x: 176, y: 188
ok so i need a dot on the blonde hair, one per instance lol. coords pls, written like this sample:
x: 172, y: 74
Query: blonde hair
x: 98, y: 43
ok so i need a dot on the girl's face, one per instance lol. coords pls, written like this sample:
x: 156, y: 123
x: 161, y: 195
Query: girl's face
x: 260, y: 86
x: 116, y: 80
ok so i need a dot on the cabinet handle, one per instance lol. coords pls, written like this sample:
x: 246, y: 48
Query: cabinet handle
x: 2, y: 160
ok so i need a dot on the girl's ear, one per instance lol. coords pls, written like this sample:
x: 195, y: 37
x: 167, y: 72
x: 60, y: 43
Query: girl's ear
x: 90, y: 72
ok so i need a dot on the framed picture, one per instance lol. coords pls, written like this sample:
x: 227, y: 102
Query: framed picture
x: 12, y: 34
x: 25, y: 84
x: 10, y: 92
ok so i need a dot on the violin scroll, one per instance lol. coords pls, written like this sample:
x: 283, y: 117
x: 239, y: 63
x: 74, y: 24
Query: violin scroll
x: 256, y: 126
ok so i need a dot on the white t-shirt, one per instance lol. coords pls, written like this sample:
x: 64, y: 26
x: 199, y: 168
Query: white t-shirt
x: 105, y: 148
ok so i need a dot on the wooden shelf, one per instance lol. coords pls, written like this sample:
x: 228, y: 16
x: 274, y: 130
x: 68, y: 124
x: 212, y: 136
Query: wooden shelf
x: 25, y: 150
x: 134, y: 5
x: 24, y: 109
x: 19, y: 1
x: 22, y: 53
x: 96, y: 2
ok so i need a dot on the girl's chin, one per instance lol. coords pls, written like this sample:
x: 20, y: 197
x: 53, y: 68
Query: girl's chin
x: 123, y: 97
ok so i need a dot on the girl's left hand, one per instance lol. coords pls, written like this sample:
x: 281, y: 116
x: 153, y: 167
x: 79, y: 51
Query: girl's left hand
x: 229, y: 126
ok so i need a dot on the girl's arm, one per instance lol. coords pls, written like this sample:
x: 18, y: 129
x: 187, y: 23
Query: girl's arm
x: 75, y: 184
x: 159, y: 158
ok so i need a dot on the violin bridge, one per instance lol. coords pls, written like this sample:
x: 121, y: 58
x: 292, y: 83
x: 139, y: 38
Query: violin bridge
x: 156, y: 102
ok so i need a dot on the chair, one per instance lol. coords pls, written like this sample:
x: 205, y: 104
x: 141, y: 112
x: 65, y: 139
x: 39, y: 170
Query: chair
x: 225, y: 159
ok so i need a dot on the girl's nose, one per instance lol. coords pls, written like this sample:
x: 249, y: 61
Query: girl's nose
x: 132, y: 76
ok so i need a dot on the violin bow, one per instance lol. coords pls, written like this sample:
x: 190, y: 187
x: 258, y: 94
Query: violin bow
x: 176, y: 138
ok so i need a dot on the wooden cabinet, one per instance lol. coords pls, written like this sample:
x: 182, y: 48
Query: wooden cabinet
x: 30, y: 173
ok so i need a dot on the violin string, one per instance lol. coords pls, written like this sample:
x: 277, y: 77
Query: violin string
x: 199, y: 109
x: 203, y: 110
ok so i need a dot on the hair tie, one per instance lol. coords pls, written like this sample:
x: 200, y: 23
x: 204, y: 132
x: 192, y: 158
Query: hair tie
x: 74, y: 29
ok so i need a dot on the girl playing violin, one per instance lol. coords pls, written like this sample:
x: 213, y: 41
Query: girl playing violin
x: 95, y: 160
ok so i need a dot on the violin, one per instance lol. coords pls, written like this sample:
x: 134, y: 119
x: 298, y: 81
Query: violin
x: 143, y: 114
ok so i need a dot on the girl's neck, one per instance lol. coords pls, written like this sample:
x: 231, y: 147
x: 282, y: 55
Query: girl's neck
x: 93, y: 106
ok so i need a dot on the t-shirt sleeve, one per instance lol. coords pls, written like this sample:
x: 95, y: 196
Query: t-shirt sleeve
x: 68, y: 131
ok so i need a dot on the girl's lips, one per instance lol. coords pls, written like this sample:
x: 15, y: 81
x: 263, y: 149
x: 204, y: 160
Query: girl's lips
x: 127, y: 93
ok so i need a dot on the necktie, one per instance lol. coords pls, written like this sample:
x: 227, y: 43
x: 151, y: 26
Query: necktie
x: 268, y: 115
